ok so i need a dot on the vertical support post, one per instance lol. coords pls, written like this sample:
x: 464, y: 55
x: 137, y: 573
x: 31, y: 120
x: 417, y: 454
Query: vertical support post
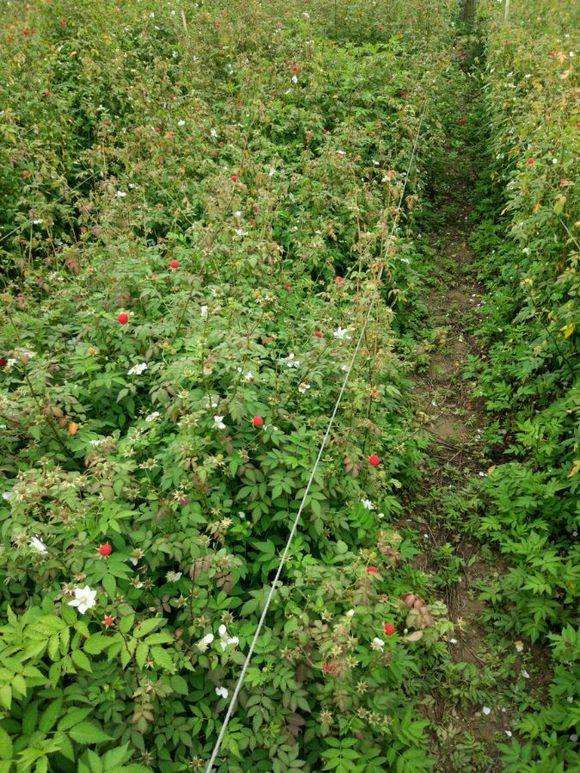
x: 468, y: 10
x: 506, y: 10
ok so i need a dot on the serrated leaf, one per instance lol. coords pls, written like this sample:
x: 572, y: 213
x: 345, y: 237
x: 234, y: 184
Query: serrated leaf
x: 141, y: 654
x: 6, y: 696
x: 148, y: 626
x: 5, y: 745
x: 110, y: 585
x: 73, y: 717
x: 159, y: 638
x: 81, y: 660
x: 163, y: 659
x: 97, y: 642
x: 88, y: 733
x: 50, y: 715
x: 126, y: 622
x: 179, y: 684
x: 19, y: 685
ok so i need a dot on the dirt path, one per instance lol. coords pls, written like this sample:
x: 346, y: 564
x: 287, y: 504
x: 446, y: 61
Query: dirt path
x: 447, y: 409
x: 456, y: 457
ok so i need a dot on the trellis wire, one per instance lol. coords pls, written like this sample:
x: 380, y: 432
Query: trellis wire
x: 323, y: 444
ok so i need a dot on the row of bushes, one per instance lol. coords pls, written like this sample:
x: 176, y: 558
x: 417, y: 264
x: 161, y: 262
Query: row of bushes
x: 200, y: 199
x: 528, y: 258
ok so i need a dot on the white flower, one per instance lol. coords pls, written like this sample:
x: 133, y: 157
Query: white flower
x: 38, y: 221
x: 38, y: 545
x: 367, y: 504
x: 377, y: 644
x: 486, y: 710
x: 152, y: 416
x: 173, y: 576
x: 213, y: 133
x: 294, y: 79
x: 181, y: 122
x: 221, y: 692
x: 203, y: 312
x: 84, y: 599
x: 452, y: 641
x: 525, y: 674
x: 120, y: 194
x: 226, y: 639
x: 303, y: 388
x: 7, y: 495
x: 341, y: 333
x: 204, y: 643
x: 291, y: 361
x: 249, y: 376
x: 237, y: 213
x: 305, y: 15
x: 350, y: 613
x: 508, y: 733
x: 136, y: 370
x: 97, y: 442
x: 219, y: 422
x: 341, y: 153
x: 240, y: 232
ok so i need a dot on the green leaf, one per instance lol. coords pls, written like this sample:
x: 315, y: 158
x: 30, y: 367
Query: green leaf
x: 159, y: 638
x: 110, y: 585
x: 30, y: 719
x: 141, y: 654
x: 41, y: 765
x: 88, y: 733
x: 65, y: 746
x: 50, y: 715
x: 5, y: 745
x: 97, y: 642
x: 163, y: 659
x: 73, y: 717
x: 148, y: 626
x: 81, y: 660
x: 95, y: 764
x: 179, y: 684
x: 126, y: 622
x: 19, y: 685
x: 117, y: 756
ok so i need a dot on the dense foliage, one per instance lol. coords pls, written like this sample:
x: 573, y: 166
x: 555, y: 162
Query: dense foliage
x: 200, y: 202
x: 528, y: 257
x: 205, y: 204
